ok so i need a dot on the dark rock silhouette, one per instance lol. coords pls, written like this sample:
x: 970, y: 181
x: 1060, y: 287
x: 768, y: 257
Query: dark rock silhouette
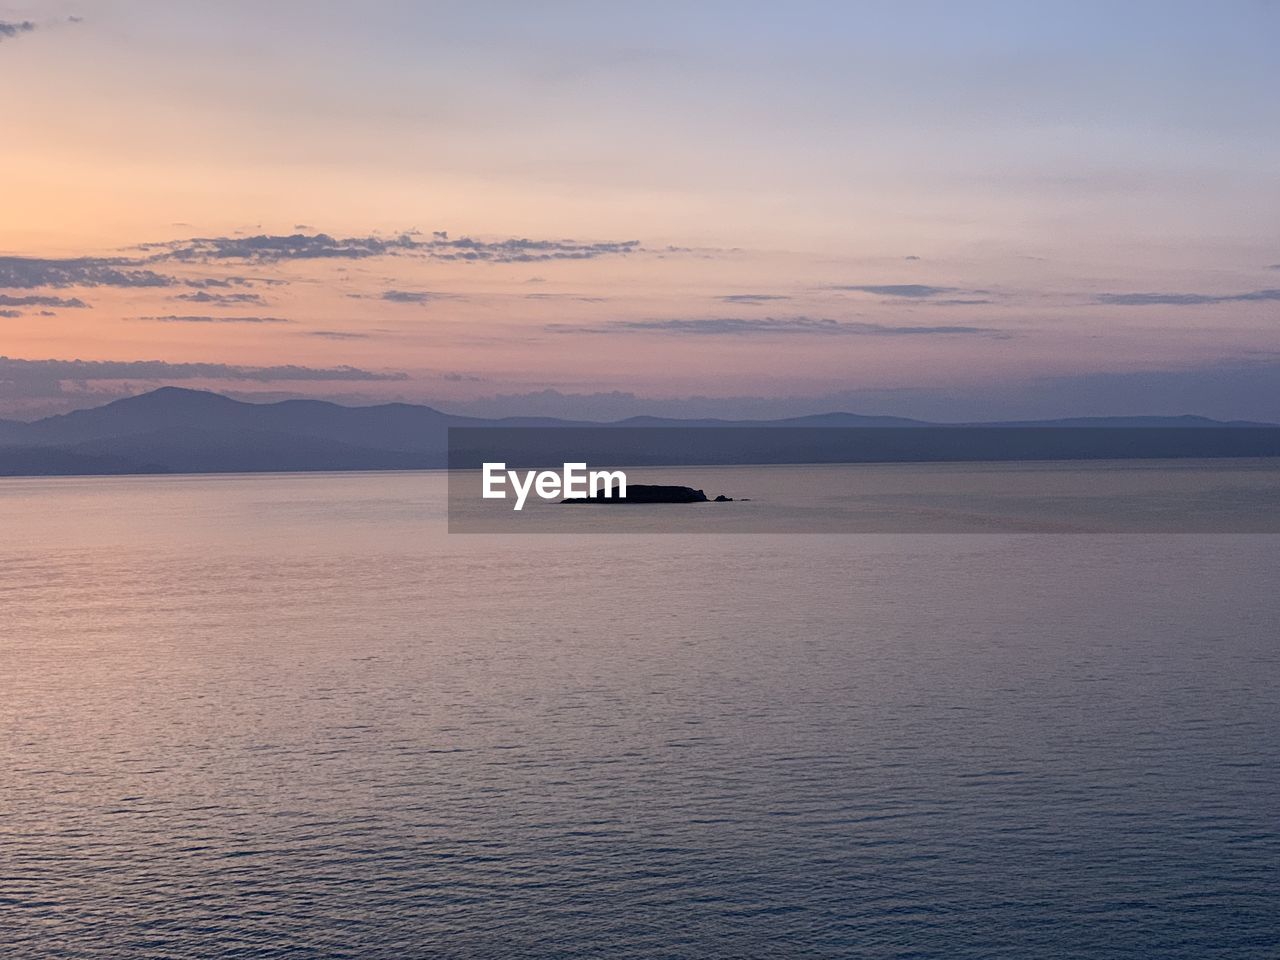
x: 723, y: 499
x: 645, y: 493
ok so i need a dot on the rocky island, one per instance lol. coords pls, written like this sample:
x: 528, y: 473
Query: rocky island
x: 649, y: 493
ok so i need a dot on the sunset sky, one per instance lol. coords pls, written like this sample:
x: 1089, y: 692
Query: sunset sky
x: 599, y: 210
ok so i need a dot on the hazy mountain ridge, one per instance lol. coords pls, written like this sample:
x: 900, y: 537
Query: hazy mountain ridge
x: 178, y: 430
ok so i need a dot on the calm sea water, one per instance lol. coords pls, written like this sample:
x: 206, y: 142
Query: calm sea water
x: 289, y: 716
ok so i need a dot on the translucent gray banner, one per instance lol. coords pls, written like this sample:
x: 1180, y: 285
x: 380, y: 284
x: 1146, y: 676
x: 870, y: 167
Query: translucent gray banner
x: 864, y: 480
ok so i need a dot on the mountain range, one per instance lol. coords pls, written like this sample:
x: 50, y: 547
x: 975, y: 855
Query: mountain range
x: 176, y: 430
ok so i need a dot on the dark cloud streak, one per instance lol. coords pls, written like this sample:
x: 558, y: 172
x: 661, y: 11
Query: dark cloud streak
x: 187, y: 318
x: 338, y: 334
x: 1184, y: 299
x: 751, y: 298
x: 15, y: 370
x: 20, y: 272
x: 739, y: 326
x: 409, y: 296
x: 30, y: 272
x: 7, y: 300
x: 908, y: 290
x: 12, y: 28
x: 222, y: 299
x: 274, y: 248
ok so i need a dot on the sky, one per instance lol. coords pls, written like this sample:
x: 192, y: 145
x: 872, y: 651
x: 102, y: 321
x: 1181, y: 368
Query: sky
x: 952, y: 211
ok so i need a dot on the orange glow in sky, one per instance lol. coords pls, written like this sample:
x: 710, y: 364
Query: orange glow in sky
x: 637, y: 205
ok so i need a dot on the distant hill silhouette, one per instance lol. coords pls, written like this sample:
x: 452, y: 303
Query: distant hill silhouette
x: 176, y: 430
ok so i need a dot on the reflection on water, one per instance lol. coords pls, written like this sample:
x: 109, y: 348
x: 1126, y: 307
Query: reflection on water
x: 291, y: 717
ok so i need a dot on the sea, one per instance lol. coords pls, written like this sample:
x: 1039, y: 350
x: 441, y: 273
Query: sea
x: 293, y: 716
